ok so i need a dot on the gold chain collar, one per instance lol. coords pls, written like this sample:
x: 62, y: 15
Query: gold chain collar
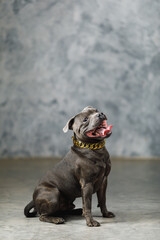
x: 93, y: 146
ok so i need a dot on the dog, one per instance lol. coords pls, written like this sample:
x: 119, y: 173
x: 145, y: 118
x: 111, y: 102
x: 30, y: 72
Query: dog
x: 82, y: 172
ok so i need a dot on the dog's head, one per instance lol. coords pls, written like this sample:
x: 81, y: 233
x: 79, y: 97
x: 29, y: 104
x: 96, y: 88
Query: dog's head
x: 90, y: 125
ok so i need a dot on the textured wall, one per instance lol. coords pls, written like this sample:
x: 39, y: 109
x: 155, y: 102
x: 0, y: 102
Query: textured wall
x: 58, y: 56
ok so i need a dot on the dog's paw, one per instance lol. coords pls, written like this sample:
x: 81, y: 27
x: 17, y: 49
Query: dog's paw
x: 108, y: 215
x: 58, y: 220
x: 50, y: 219
x: 93, y: 223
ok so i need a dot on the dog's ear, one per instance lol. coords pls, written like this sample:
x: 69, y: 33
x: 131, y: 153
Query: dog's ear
x: 87, y: 108
x: 69, y: 125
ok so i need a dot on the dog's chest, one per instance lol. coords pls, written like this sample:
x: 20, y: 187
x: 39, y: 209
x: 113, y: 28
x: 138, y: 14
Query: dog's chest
x: 98, y: 175
x: 92, y: 171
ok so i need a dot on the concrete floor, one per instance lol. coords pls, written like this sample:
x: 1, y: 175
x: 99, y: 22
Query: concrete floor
x: 133, y: 195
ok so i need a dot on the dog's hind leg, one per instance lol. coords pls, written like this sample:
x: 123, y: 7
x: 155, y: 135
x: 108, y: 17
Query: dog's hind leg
x: 47, y: 204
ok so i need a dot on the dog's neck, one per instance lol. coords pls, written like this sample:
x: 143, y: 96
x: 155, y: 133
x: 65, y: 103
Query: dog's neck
x: 86, y: 145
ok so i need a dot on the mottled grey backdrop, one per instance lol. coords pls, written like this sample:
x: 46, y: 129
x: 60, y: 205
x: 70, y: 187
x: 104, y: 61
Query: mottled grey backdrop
x: 58, y: 56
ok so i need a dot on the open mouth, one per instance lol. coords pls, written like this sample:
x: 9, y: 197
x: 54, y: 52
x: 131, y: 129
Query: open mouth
x: 103, y: 130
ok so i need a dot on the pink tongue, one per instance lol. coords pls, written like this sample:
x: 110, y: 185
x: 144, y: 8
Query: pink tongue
x: 109, y: 128
x: 103, y: 131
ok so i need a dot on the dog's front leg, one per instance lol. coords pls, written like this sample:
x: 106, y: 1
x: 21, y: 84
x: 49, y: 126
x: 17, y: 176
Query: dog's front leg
x: 87, y: 191
x: 101, y: 194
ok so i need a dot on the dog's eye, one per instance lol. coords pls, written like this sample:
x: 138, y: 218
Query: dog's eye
x: 85, y: 119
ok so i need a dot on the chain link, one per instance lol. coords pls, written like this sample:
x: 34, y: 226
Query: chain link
x: 88, y: 145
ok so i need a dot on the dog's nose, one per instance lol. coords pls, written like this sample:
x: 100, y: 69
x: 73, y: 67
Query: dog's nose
x: 101, y: 116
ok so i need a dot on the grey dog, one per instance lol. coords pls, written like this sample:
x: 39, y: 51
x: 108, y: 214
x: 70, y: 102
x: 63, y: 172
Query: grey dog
x: 82, y: 172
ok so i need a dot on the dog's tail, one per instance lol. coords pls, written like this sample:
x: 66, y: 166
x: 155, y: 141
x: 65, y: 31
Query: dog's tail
x: 27, y: 209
